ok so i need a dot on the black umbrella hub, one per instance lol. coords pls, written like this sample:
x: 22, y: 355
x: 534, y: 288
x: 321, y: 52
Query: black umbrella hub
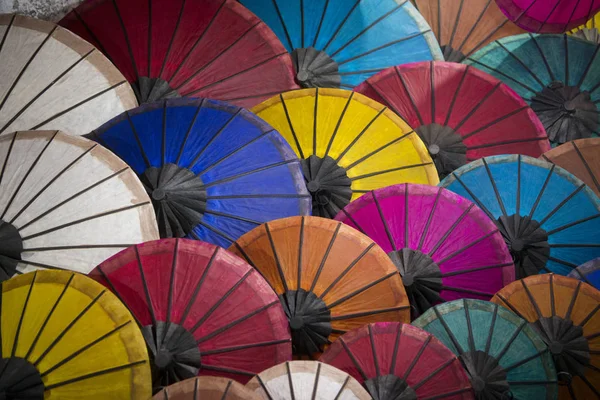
x: 445, y: 147
x: 488, y: 378
x: 389, y: 387
x: 328, y: 184
x: 149, y: 90
x: 315, y: 68
x: 11, y: 246
x: 20, y: 379
x: 451, y: 54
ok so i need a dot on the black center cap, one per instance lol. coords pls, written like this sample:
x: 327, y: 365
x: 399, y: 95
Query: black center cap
x: 19, y: 379
x: 149, y: 90
x: 11, y: 246
x: 315, y: 69
x: 389, y: 387
x: 328, y: 185
x: 445, y: 147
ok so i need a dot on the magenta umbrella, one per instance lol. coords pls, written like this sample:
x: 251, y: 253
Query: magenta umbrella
x: 443, y: 245
x: 549, y: 16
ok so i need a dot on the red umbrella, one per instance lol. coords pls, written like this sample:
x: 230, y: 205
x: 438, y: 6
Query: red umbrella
x: 460, y: 112
x: 200, y: 48
x: 202, y: 310
x: 399, y: 361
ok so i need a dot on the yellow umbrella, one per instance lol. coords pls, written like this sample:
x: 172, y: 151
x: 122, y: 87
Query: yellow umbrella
x: 65, y: 336
x: 589, y: 30
x: 348, y: 143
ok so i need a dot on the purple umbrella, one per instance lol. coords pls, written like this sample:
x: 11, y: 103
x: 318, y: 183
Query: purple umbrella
x: 443, y: 245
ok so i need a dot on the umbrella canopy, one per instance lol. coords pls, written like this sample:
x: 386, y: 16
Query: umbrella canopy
x: 66, y: 202
x: 202, y: 310
x: 504, y: 357
x: 589, y: 30
x: 300, y: 379
x: 588, y: 272
x: 548, y: 217
x: 459, y: 112
x: 340, y: 43
x: 444, y: 247
x: 558, y: 75
x: 329, y: 278
x: 579, y: 157
x: 462, y: 27
x: 206, y: 388
x: 52, y: 79
x: 564, y: 312
x: 213, y: 171
x: 65, y: 336
x: 398, y: 361
x: 348, y: 144
x: 199, y: 48
x: 548, y: 16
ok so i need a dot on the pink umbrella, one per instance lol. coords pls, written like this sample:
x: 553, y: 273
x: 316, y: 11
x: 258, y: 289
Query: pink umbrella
x: 444, y: 246
x: 549, y: 16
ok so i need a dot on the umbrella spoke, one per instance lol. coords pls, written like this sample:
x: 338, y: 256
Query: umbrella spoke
x: 379, y: 149
x: 94, y: 374
x: 384, y: 221
x: 345, y: 271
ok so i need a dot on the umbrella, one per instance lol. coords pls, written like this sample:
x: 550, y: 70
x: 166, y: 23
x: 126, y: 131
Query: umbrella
x: 348, y: 144
x: 459, y: 112
x: 206, y: 388
x: 202, y: 310
x: 588, y: 272
x: 340, y: 43
x: 556, y: 74
x: 199, y: 48
x: 398, y: 361
x: 504, y: 357
x: 329, y: 278
x: 213, y: 171
x: 548, y: 16
x: 546, y: 215
x: 564, y: 312
x: 52, y: 79
x: 64, y: 336
x: 443, y: 245
x: 579, y: 157
x: 589, y: 30
x: 462, y: 27
x: 300, y: 379
x: 66, y: 202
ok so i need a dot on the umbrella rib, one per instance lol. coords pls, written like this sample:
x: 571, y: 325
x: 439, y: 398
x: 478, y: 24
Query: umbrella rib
x: 357, y: 72
x: 287, y: 34
x: 44, y: 90
x: 467, y: 271
x: 361, y: 133
x: 544, y: 59
x: 570, y: 245
x: 532, y: 299
x: 325, y: 256
x: 368, y: 313
x: 384, y: 221
x: 487, y: 145
x: 59, y: 337
x: 470, y: 338
x: 410, y: 97
x: 164, y: 130
x: 315, y: 118
x: 339, y: 122
x: 300, y: 246
x: 382, y: 99
x: 95, y: 374
x: 477, y: 106
x: 475, y: 198
x: 262, y: 383
x: 115, y: 292
x: 488, y: 342
x: 172, y: 283
x: 290, y: 380
x: 458, y: 88
x: 455, y: 343
x: 362, y: 289
x: 277, y: 260
x: 84, y: 348
x: 494, y: 122
x: 189, y: 130
x: 511, y: 340
x: 433, y: 373
x: 522, y: 63
x: 340, y: 25
x: 41, y: 265
x: 187, y: 56
x: 170, y: 46
x: 587, y: 69
x: 462, y: 290
x: 226, y: 215
x: 97, y: 43
x: 207, y: 315
x: 126, y: 36
x: 493, y: 182
x: 571, y: 303
x: 80, y: 246
x: 20, y: 324
x: 370, y: 175
x: 314, y: 44
x: 192, y: 300
x: 503, y: 74
x: 137, y: 140
x: 373, y: 350
x: 43, y: 189
x: 585, y: 163
x: 366, y: 53
x: 510, y: 305
x: 316, y: 383
x: 8, y: 153
x: 457, y: 252
x: 228, y: 370
x: 237, y: 321
x: 353, y: 358
x: 416, y: 358
x: 450, y: 230
x: 395, y: 351
x: 149, y: 38
x: 472, y: 28
x: 145, y: 285
x: 356, y: 225
x: 562, y: 203
x: 289, y: 121
x: 539, y: 196
x: 589, y: 316
x: 378, y: 20
x: 589, y: 385
x: 566, y: 57
x: 385, y: 146
x: 260, y: 196
x: 29, y: 170
x: 458, y: 15
x: 56, y: 228
x: 241, y: 175
x: 29, y: 61
x: 244, y: 347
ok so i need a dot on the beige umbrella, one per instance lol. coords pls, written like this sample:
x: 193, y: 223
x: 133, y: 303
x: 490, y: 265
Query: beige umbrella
x: 306, y: 380
x: 66, y: 202
x: 53, y: 79
x: 206, y: 388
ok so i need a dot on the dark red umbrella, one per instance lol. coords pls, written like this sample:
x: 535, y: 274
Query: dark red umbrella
x: 199, y: 48
x: 202, y: 310
x: 460, y: 112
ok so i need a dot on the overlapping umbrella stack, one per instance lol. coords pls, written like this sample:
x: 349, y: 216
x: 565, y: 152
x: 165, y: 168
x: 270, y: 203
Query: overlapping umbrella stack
x: 301, y: 181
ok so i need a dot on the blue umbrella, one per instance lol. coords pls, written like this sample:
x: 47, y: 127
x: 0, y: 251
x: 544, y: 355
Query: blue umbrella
x: 340, y: 43
x: 548, y: 217
x: 588, y: 272
x: 558, y: 75
x: 214, y: 171
x: 504, y: 356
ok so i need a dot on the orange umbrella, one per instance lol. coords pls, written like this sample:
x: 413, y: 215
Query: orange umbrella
x: 579, y: 157
x: 329, y: 277
x: 206, y: 388
x: 566, y: 314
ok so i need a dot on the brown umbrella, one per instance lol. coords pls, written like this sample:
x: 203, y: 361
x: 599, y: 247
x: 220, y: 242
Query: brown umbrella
x: 329, y: 277
x: 581, y: 158
x: 206, y: 388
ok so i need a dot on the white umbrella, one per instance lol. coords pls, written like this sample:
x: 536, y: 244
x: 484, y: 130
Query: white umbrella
x: 52, y: 79
x: 67, y: 203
